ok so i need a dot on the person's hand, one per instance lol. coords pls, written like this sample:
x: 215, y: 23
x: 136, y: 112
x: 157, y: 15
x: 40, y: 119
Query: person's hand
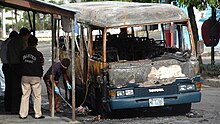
x: 68, y: 86
x: 56, y: 89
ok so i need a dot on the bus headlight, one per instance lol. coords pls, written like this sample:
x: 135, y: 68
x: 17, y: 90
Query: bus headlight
x: 182, y: 88
x: 190, y: 87
x: 186, y: 87
x: 125, y: 92
x: 129, y: 92
x: 120, y: 93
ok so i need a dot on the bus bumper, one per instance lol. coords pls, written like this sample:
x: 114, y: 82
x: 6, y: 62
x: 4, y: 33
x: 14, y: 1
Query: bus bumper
x: 143, y: 102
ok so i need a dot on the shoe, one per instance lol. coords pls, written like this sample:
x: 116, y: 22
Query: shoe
x: 41, y: 117
x: 22, y: 117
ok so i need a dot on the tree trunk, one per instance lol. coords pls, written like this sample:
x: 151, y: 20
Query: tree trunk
x: 193, y: 24
x: 194, y: 29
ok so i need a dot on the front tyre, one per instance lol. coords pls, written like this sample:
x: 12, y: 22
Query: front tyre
x: 182, y: 108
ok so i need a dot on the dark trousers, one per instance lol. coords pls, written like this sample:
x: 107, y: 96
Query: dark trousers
x: 49, y: 93
x: 7, y: 97
x: 16, y: 91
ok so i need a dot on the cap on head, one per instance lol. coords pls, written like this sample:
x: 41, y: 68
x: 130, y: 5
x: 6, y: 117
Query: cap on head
x: 24, y: 31
x: 65, y: 62
x: 32, y: 40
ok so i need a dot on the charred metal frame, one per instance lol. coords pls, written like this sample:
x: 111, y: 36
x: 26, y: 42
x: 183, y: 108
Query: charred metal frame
x: 103, y: 17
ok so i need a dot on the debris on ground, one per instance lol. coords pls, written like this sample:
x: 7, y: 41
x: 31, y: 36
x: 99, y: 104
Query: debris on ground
x: 82, y: 110
x: 98, y: 118
x: 193, y: 115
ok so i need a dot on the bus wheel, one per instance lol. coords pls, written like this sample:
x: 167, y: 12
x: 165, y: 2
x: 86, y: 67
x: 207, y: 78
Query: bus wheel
x: 182, y: 108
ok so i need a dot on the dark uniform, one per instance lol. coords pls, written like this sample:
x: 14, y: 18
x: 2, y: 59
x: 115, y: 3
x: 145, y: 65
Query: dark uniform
x: 32, y: 71
x: 32, y: 62
x: 6, y: 71
x: 14, y: 50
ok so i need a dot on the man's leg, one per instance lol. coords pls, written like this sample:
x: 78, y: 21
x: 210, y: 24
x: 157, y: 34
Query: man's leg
x: 7, y: 97
x: 2, y: 79
x: 26, y: 90
x: 49, y: 92
x: 16, y: 88
x: 57, y: 101
x: 36, y: 87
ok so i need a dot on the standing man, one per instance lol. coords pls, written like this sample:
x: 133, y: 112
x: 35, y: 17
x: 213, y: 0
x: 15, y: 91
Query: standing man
x: 32, y: 71
x: 6, y: 71
x: 15, y: 48
x: 59, y: 69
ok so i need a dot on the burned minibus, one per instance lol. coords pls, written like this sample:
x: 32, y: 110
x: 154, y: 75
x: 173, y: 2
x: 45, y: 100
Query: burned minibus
x: 135, y: 55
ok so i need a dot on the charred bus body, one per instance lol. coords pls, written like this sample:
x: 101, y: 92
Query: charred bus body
x: 136, y: 68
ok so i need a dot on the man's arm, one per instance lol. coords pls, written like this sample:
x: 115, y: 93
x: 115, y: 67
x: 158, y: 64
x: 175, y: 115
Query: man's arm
x: 55, y: 82
x: 66, y: 78
x: 41, y: 58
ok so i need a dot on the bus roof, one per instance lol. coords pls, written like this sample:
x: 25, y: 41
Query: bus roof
x: 125, y: 14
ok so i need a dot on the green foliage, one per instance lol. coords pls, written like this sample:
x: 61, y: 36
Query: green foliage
x: 10, y: 18
x: 7, y: 27
x: 149, y: 1
x: 210, y: 70
x: 6, y: 8
x: 23, y: 21
x: 106, y: 0
x: 200, y: 4
x: 43, y: 22
x: 60, y: 2
x: 52, y: 1
x: 72, y: 1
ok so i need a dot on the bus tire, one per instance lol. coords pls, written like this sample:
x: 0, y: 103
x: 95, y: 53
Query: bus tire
x: 181, y: 108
